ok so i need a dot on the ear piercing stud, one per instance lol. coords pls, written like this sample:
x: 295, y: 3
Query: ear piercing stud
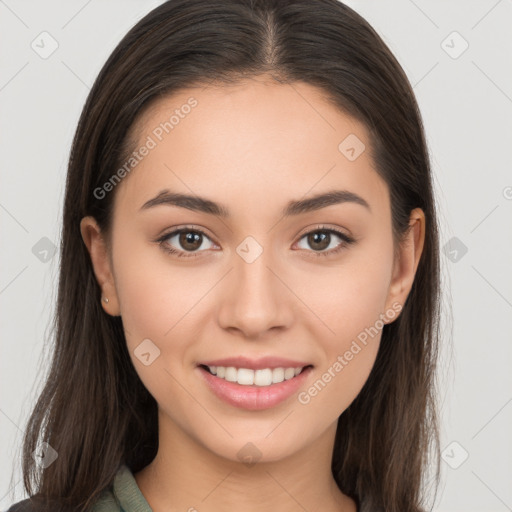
x: 106, y: 300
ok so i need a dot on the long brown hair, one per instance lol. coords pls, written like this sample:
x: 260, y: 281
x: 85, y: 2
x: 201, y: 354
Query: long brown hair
x: 94, y: 410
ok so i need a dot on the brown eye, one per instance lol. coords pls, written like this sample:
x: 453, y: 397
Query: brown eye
x: 190, y: 240
x: 319, y: 240
x: 185, y: 240
x: 322, y: 241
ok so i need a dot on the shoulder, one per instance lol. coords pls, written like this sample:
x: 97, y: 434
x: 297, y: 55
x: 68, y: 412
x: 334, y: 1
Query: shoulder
x: 123, y: 495
x: 26, y: 505
x: 106, y: 502
x: 33, y: 504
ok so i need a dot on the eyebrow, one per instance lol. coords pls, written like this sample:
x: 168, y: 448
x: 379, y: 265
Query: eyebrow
x: 201, y: 204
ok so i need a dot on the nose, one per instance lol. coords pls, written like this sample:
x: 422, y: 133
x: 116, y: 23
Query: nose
x: 254, y: 299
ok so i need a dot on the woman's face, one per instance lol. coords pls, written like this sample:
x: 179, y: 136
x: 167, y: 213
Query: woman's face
x: 257, y: 272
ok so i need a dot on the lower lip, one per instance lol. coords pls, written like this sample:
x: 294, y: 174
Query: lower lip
x: 254, y: 398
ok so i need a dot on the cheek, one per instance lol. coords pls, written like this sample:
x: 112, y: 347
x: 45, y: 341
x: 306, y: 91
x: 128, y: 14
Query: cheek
x: 351, y: 296
x: 154, y: 301
x: 153, y: 295
x: 349, y: 303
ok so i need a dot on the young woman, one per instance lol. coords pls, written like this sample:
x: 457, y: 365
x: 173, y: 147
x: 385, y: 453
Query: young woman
x: 249, y: 288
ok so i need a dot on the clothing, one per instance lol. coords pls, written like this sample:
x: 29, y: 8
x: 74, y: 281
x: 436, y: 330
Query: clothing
x: 123, y: 495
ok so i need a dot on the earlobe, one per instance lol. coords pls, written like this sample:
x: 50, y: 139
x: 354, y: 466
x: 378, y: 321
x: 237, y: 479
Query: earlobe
x: 98, y: 252
x: 407, y: 259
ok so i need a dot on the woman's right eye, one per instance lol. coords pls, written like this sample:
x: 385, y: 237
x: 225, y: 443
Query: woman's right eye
x: 184, y: 240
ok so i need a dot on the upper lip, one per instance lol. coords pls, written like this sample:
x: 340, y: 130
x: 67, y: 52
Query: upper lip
x: 256, y: 364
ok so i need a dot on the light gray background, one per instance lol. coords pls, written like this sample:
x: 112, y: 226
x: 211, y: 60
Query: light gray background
x: 466, y: 101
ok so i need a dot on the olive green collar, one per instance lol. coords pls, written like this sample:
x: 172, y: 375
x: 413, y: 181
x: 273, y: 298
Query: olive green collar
x: 127, y: 492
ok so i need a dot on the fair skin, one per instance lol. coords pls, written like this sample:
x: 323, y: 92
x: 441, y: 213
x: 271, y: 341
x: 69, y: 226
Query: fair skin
x: 251, y: 147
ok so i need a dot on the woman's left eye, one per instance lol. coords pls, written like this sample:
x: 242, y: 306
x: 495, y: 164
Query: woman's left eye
x: 322, y: 238
x: 192, y: 239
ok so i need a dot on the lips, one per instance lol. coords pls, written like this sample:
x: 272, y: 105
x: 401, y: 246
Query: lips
x: 263, y: 394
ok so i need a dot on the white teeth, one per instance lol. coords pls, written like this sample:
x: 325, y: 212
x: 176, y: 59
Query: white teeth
x: 277, y: 375
x: 262, y: 377
x: 231, y: 374
x: 245, y: 376
x: 289, y: 373
x: 248, y: 377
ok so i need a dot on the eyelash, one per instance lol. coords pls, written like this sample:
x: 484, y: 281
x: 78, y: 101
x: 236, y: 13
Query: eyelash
x: 347, y: 240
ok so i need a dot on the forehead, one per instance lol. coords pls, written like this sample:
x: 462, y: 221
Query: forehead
x: 249, y: 142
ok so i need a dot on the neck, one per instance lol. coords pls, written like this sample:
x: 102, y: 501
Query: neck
x: 185, y: 475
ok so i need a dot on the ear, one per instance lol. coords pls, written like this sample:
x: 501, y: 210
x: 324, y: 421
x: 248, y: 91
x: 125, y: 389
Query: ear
x: 94, y: 240
x: 407, y: 259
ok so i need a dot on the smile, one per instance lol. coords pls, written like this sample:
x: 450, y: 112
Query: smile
x: 249, y: 377
x: 253, y: 389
